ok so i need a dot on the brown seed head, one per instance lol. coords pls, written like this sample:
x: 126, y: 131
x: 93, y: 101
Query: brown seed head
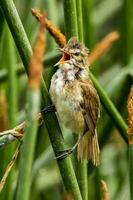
x: 35, y: 67
x: 53, y: 30
x: 130, y: 112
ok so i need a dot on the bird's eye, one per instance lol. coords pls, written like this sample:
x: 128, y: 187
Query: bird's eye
x: 76, y: 54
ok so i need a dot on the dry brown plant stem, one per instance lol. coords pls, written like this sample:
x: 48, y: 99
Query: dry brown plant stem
x: 53, y: 30
x: 9, y: 167
x: 104, y: 190
x: 18, y: 131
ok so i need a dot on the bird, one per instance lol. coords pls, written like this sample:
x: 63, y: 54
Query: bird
x: 76, y: 100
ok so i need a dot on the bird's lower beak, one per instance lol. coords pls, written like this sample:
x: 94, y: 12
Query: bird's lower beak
x: 61, y: 61
x: 64, y: 59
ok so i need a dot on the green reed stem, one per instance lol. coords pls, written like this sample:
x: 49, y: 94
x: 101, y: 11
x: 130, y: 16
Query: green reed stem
x: 10, y: 62
x: 51, y: 7
x: 17, y: 30
x: 1, y: 22
x: 127, y: 31
x: 89, y: 32
x: 74, y: 27
x: 79, y: 20
x: 28, y: 148
x: 81, y: 165
x: 70, y: 16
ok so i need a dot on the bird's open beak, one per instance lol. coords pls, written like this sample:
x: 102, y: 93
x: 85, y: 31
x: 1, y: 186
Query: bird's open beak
x: 64, y: 59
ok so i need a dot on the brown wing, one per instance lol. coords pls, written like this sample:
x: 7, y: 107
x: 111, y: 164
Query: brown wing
x: 90, y: 105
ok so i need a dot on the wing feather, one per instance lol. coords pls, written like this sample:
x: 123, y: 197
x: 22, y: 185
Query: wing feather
x: 91, y: 105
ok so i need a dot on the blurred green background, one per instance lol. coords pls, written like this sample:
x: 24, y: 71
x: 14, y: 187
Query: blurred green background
x: 114, y: 72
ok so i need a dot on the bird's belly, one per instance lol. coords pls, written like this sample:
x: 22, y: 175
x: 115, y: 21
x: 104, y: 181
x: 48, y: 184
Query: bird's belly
x: 71, y: 118
x: 68, y: 106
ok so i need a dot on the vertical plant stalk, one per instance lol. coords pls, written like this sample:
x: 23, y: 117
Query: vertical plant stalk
x: 90, y: 36
x: 10, y: 63
x: 27, y: 151
x: 33, y: 100
x: 1, y: 23
x: 130, y: 139
x: 70, y: 16
x: 65, y: 166
x: 17, y: 30
x: 127, y: 31
x: 3, y: 126
x: 82, y: 177
x: 89, y: 30
x: 79, y: 20
x: 82, y: 174
x: 51, y: 7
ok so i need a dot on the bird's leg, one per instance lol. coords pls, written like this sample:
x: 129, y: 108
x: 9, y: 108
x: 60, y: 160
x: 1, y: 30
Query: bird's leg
x: 50, y: 108
x: 67, y: 152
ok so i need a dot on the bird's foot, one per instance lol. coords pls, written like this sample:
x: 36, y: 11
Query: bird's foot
x: 67, y: 152
x: 64, y: 154
x: 50, y: 108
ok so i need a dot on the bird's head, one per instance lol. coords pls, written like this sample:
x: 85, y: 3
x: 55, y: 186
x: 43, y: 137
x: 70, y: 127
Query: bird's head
x: 75, y: 53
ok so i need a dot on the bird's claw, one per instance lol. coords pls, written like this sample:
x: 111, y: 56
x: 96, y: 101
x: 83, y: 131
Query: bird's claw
x: 50, y: 108
x: 63, y: 154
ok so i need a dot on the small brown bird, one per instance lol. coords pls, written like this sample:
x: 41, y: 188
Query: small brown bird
x: 76, y: 100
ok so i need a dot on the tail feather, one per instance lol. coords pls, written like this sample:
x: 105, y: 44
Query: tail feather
x: 88, y: 148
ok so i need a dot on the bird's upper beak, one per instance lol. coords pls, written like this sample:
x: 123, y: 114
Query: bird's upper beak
x: 64, y: 59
